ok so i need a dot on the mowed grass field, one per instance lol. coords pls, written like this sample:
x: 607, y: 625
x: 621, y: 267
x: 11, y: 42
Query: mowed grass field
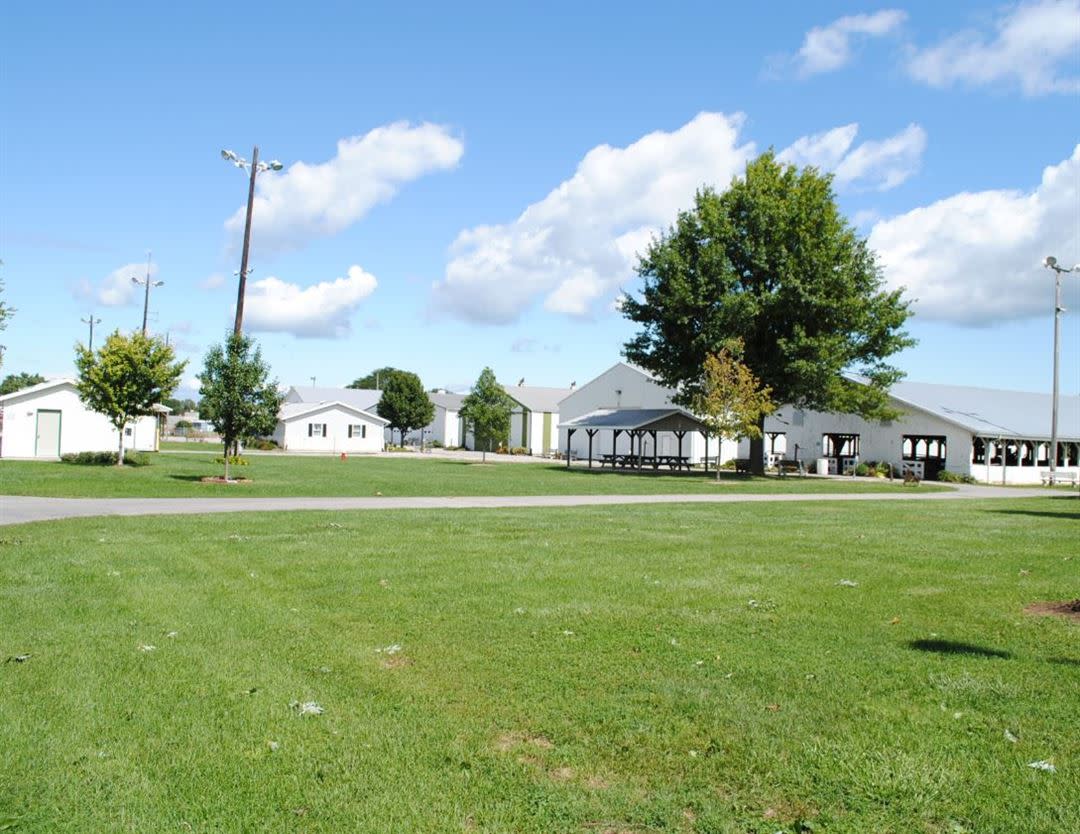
x: 847, y: 667
x: 179, y: 475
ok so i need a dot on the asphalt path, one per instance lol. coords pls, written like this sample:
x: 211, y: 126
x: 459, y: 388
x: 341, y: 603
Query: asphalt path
x: 19, y: 509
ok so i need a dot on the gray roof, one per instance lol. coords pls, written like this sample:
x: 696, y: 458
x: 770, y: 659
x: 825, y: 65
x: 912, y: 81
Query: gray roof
x: 363, y: 398
x: 451, y: 402
x: 991, y: 412
x: 629, y: 419
x: 537, y: 399
x: 290, y: 411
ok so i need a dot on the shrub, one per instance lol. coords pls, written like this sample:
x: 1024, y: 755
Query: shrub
x: 728, y: 464
x: 182, y: 424
x: 234, y: 460
x: 518, y: 450
x: 863, y: 470
x: 947, y: 477
x: 261, y: 444
x: 436, y: 444
x: 105, y: 458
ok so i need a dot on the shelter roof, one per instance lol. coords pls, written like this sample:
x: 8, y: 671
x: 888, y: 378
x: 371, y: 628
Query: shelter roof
x: 637, y: 419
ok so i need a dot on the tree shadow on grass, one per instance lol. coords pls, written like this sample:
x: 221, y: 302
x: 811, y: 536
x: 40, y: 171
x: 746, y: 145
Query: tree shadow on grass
x: 1074, y: 515
x: 189, y: 478
x: 1064, y: 661
x: 956, y: 647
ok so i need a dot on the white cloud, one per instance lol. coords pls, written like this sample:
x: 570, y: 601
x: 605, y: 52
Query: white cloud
x: 828, y: 48
x: 321, y: 311
x: 573, y: 247
x: 1033, y: 46
x: 116, y: 289
x: 310, y: 201
x: 878, y: 165
x: 213, y: 281
x: 975, y: 258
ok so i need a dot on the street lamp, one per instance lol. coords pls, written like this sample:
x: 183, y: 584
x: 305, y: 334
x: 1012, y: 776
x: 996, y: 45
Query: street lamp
x: 256, y: 168
x: 91, y: 321
x: 148, y: 284
x: 1051, y: 263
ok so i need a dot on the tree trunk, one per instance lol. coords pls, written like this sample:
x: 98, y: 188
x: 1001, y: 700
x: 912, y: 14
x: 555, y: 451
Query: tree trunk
x: 757, y: 450
x: 120, y: 451
x: 227, y: 445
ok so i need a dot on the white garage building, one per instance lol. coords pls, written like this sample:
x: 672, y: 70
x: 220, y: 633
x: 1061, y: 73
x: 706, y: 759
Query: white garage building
x: 49, y: 420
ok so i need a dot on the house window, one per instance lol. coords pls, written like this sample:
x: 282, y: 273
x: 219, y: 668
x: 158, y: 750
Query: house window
x: 978, y: 450
x: 127, y: 431
x: 358, y: 430
x: 316, y: 429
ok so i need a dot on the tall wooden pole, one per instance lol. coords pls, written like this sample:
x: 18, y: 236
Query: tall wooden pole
x: 239, y: 323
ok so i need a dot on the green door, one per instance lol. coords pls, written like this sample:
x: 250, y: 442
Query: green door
x: 47, y: 434
x: 547, y: 432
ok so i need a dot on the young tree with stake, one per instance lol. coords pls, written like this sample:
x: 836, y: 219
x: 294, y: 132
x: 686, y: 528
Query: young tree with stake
x: 487, y: 410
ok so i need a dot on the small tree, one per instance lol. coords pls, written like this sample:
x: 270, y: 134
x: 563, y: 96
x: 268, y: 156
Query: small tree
x: 126, y: 377
x: 16, y: 382
x: 237, y: 395
x: 487, y: 409
x: 405, y: 403
x: 730, y: 400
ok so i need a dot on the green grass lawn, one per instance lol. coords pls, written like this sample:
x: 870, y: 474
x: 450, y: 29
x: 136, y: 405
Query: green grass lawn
x: 179, y: 476
x: 622, y: 669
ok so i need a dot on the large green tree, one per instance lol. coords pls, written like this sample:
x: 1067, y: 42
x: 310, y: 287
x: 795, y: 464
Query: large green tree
x: 238, y: 396
x: 486, y: 410
x: 770, y: 261
x: 16, y: 382
x: 126, y: 377
x: 405, y: 403
x: 377, y: 379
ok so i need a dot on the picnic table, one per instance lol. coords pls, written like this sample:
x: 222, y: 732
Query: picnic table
x: 630, y: 461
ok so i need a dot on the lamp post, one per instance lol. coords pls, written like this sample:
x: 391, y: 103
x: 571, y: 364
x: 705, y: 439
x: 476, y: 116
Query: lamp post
x: 255, y: 167
x: 1051, y: 263
x: 91, y: 321
x: 146, y: 298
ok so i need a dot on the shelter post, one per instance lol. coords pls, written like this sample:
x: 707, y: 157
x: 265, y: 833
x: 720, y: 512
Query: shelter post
x: 591, y: 433
x: 569, y: 434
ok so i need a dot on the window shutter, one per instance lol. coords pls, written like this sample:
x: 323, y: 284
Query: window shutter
x: 363, y: 430
x: 310, y: 426
x: 324, y: 434
x: 350, y: 430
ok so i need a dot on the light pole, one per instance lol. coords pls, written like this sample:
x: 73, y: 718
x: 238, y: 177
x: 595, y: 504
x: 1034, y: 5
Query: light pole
x: 91, y: 321
x: 256, y: 168
x: 1051, y: 263
x: 146, y: 298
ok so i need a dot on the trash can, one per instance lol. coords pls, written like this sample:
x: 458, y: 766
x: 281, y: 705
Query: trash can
x: 822, y: 466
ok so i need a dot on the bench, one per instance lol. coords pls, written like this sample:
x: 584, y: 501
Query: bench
x: 790, y: 467
x: 1050, y: 478
x: 742, y: 465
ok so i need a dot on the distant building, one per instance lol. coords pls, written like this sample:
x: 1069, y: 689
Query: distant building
x: 49, y: 420
x: 330, y: 420
x: 446, y: 427
x: 534, y: 420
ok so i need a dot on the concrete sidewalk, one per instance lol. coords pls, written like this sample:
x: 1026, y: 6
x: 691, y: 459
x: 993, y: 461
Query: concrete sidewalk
x: 20, y: 509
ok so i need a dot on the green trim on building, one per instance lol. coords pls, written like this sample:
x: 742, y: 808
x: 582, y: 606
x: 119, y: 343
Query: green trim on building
x: 525, y: 414
x: 547, y: 432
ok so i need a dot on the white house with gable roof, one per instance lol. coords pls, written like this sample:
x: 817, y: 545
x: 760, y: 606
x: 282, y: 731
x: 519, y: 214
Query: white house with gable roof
x: 534, y: 420
x: 332, y: 420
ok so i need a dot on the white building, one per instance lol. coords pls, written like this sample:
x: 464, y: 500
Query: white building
x: 330, y: 420
x: 992, y: 435
x: 534, y: 420
x: 446, y: 427
x: 49, y: 420
x: 622, y: 389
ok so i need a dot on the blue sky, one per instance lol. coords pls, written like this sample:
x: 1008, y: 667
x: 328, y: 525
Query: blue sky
x: 467, y: 186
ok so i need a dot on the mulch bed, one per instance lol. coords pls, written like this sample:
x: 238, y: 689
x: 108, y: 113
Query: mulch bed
x: 217, y: 479
x: 1070, y: 609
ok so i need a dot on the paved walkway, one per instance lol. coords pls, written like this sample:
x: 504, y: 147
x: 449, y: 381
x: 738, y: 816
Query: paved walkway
x: 20, y: 509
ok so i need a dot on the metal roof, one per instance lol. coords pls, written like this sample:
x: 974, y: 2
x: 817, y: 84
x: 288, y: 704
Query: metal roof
x: 451, y: 402
x: 41, y: 386
x: 290, y: 411
x: 537, y: 399
x: 363, y: 398
x: 627, y: 419
x: 992, y: 412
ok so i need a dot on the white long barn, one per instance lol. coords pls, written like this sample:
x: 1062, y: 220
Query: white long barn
x: 995, y: 436
x: 49, y: 420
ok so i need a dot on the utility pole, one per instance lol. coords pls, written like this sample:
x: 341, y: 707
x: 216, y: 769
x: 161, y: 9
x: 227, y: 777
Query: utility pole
x: 146, y: 297
x: 239, y: 323
x: 91, y: 321
x: 1051, y: 263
